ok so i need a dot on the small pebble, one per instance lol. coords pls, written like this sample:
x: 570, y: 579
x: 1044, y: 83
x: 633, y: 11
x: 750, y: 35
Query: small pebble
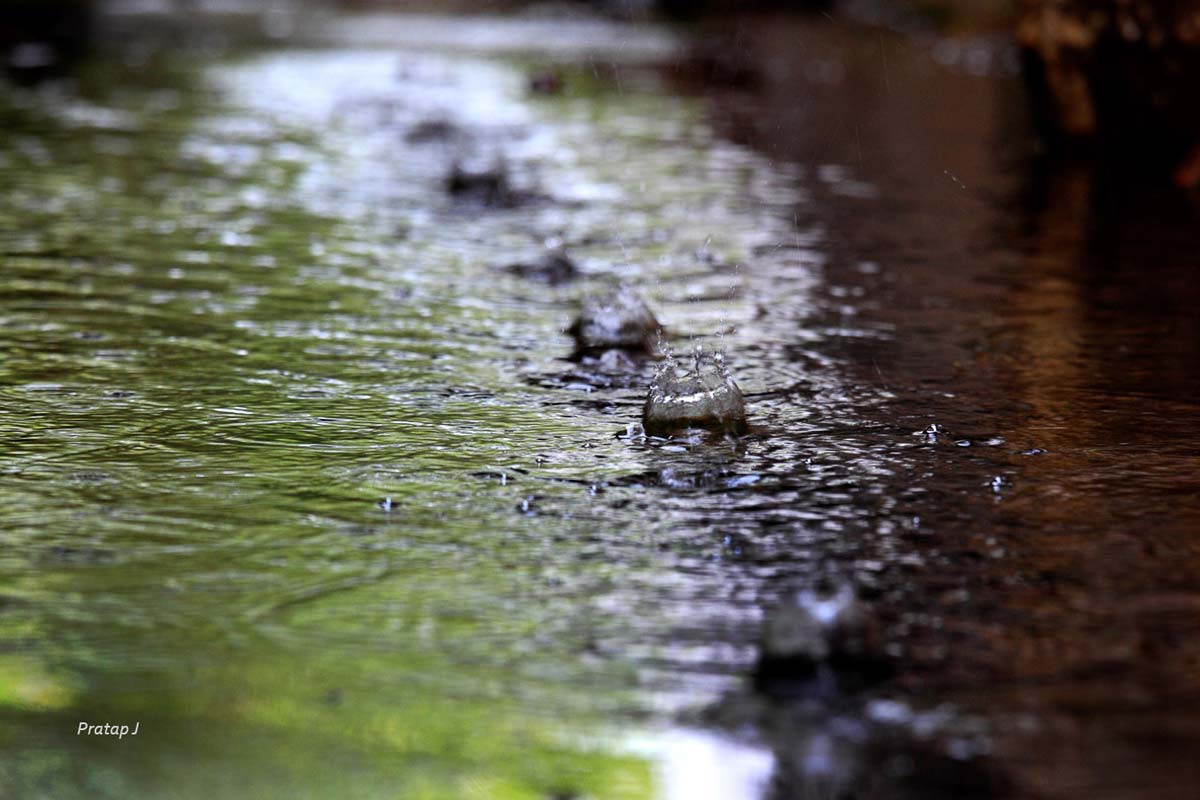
x: 552, y: 267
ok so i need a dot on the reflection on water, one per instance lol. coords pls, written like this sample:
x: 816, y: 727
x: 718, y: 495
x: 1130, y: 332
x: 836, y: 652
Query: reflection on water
x: 697, y: 764
x: 1044, y: 318
x: 240, y: 309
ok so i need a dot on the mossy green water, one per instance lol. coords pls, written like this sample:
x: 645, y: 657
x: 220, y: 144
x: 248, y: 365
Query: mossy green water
x: 237, y: 313
x: 192, y: 460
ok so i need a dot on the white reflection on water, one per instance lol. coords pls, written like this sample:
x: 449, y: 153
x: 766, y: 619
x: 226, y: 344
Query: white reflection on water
x: 695, y: 765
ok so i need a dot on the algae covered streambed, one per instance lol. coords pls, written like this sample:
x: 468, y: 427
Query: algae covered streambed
x: 238, y: 310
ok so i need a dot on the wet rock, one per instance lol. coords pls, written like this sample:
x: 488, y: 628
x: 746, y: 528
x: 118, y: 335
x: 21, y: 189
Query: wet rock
x: 619, y: 320
x: 702, y: 396
x: 827, y: 626
x: 487, y: 186
x: 552, y: 267
x: 434, y: 130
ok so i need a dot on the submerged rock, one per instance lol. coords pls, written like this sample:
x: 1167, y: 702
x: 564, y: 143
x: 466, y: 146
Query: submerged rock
x: 619, y: 320
x: 826, y: 626
x: 552, y: 267
x: 704, y: 396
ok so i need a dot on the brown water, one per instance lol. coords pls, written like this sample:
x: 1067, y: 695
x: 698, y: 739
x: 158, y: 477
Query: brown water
x: 239, y: 309
x: 1052, y: 306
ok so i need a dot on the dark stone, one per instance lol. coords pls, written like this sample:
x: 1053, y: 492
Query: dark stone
x: 488, y: 187
x: 434, y: 130
x: 552, y: 267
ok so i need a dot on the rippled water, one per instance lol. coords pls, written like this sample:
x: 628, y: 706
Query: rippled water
x: 240, y: 310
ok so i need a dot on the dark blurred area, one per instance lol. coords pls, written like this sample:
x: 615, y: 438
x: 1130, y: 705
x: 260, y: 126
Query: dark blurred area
x: 1115, y: 77
x: 1120, y: 74
x: 39, y: 38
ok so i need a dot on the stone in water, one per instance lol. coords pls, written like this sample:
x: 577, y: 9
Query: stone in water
x: 619, y: 320
x: 704, y: 396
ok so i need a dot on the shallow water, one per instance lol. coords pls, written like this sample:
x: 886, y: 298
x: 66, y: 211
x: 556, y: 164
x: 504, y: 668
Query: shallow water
x: 240, y: 310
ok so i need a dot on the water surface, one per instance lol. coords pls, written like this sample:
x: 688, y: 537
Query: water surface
x: 239, y: 310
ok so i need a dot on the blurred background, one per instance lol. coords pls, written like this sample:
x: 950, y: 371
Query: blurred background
x: 1119, y: 72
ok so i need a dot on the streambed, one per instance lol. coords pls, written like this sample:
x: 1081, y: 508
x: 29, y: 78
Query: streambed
x: 240, y: 310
